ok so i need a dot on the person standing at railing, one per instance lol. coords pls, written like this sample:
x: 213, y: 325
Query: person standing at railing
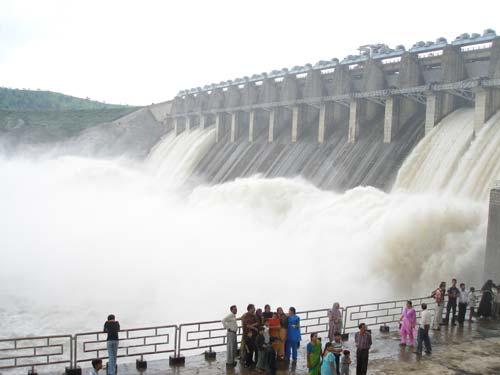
x: 250, y: 325
x: 293, y: 335
x: 463, y: 301
x: 363, y: 340
x: 112, y: 327
x: 438, y: 296
x: 267, y: 314
x: 283, y: 332
x: 408, y: 321
x: 423, y: 330
x: 231, y: 325
x: 472, y: 302
x: 452, y: 303
x: 485, y: 306
x: 334, y: 321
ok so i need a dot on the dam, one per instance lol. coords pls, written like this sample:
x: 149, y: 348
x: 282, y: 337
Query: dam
x: 340, y: 124
x: 384, y: 160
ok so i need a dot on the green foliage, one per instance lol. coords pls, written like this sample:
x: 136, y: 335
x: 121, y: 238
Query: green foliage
x: 14, y: 99
x: 58, y: 123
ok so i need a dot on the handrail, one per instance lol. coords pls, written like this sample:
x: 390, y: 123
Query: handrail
x: 191, y: 337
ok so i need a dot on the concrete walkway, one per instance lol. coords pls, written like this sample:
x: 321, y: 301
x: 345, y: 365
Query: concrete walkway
x: 472, y: 349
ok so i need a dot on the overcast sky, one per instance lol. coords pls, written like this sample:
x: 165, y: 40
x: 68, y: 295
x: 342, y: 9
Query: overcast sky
x: 139, y: 52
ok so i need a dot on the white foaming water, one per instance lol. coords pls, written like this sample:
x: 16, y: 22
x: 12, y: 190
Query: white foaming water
x: 480, y: 166
x: 434, y: 160
x: 174, y: 157
x: 82, y: 238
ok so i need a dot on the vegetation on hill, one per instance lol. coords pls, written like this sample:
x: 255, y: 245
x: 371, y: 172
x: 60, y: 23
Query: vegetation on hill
x: 22, y: 100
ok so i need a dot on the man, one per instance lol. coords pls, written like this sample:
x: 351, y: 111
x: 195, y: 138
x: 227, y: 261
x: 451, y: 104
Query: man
x: 463, y: 301
x: 438, y: 296
x: 231, y: 325
x: 363, y: 340
x: 96, y: 366
x: 452, y: 303
x: 424, y: 325
x: 112, y: 327
x: 250, y: 325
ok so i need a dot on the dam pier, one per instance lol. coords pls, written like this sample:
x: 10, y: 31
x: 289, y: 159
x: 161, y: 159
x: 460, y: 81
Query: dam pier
x: 340, y: 123
x: 379, y: 84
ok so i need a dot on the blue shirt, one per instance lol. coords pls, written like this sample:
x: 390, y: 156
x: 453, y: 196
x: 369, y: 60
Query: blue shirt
x: 293, y: 333
x: 325, y: 366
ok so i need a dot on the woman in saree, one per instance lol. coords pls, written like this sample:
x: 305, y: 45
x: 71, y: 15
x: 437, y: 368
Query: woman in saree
x: 334, y: 321
x: 283, y: 332
x: 485, y: 306
x: 314, y: 355
x: 408, y: 323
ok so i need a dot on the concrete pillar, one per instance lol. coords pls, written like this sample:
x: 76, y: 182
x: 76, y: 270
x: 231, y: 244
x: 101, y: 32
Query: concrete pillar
x: 492, y: 257
x: 218, y: 127
x: 177, y: 126
x: 390, y: 119
x: 321, y: 125
x: 251, y: 122
x: 272, y: 119
x: 188, y: 123
x: 484, y: 107
x: 353, y: 121
x: 203, y: 120
x: 296, y: 123
x: 234, y: 127
x: 432, y: 111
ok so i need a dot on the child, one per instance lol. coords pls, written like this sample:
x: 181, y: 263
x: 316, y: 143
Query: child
x: 96, y: 366
x: 345, y: 362
x: 271, y: 356
x: 337, y: 350
x: 328, y: 365
x: 262, y: 345
x: 472, y: 302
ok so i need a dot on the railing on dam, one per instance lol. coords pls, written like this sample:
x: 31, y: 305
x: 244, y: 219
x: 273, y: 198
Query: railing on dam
x: 133, y: 343
x: 177, y: 340
x: 33, y: 352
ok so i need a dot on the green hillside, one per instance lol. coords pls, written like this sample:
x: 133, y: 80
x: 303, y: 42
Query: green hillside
x: 21, y: 100
x: 28, y: 117
x: 58, y: 123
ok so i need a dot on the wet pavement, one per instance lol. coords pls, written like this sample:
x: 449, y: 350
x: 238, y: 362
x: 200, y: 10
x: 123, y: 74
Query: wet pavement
x: 472, y: 349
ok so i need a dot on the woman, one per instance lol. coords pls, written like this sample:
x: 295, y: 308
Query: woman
x: 283, y: 332
x: 485, y: 306
x: 334, y: 321
x: 408, y: 322
x: 292, y: 335
x: 314, y: 355
x: 328, y: 367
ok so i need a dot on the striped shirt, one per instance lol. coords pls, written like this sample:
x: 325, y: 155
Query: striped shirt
x: 363, y: 341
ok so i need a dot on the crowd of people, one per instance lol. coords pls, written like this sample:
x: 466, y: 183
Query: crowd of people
x: 270, y: 337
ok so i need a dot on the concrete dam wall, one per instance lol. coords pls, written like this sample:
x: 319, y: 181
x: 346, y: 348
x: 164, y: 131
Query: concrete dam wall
x: 340, y: 124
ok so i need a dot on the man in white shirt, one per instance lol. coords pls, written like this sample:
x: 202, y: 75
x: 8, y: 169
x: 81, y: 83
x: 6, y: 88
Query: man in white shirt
x: 231, y: 325
x: 424, y: 324
x: 463, y: 301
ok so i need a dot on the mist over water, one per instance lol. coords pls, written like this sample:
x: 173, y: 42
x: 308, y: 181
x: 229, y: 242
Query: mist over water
x: 84, y: 237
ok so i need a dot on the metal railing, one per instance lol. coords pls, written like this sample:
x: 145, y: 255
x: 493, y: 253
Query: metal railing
x: 133, y: 343
x: 192, y: 338
x: 36, y: 351
x: 381, y: 313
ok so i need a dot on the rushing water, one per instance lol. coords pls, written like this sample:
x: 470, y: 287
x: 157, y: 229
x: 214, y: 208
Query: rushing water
x: 152, y: 243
